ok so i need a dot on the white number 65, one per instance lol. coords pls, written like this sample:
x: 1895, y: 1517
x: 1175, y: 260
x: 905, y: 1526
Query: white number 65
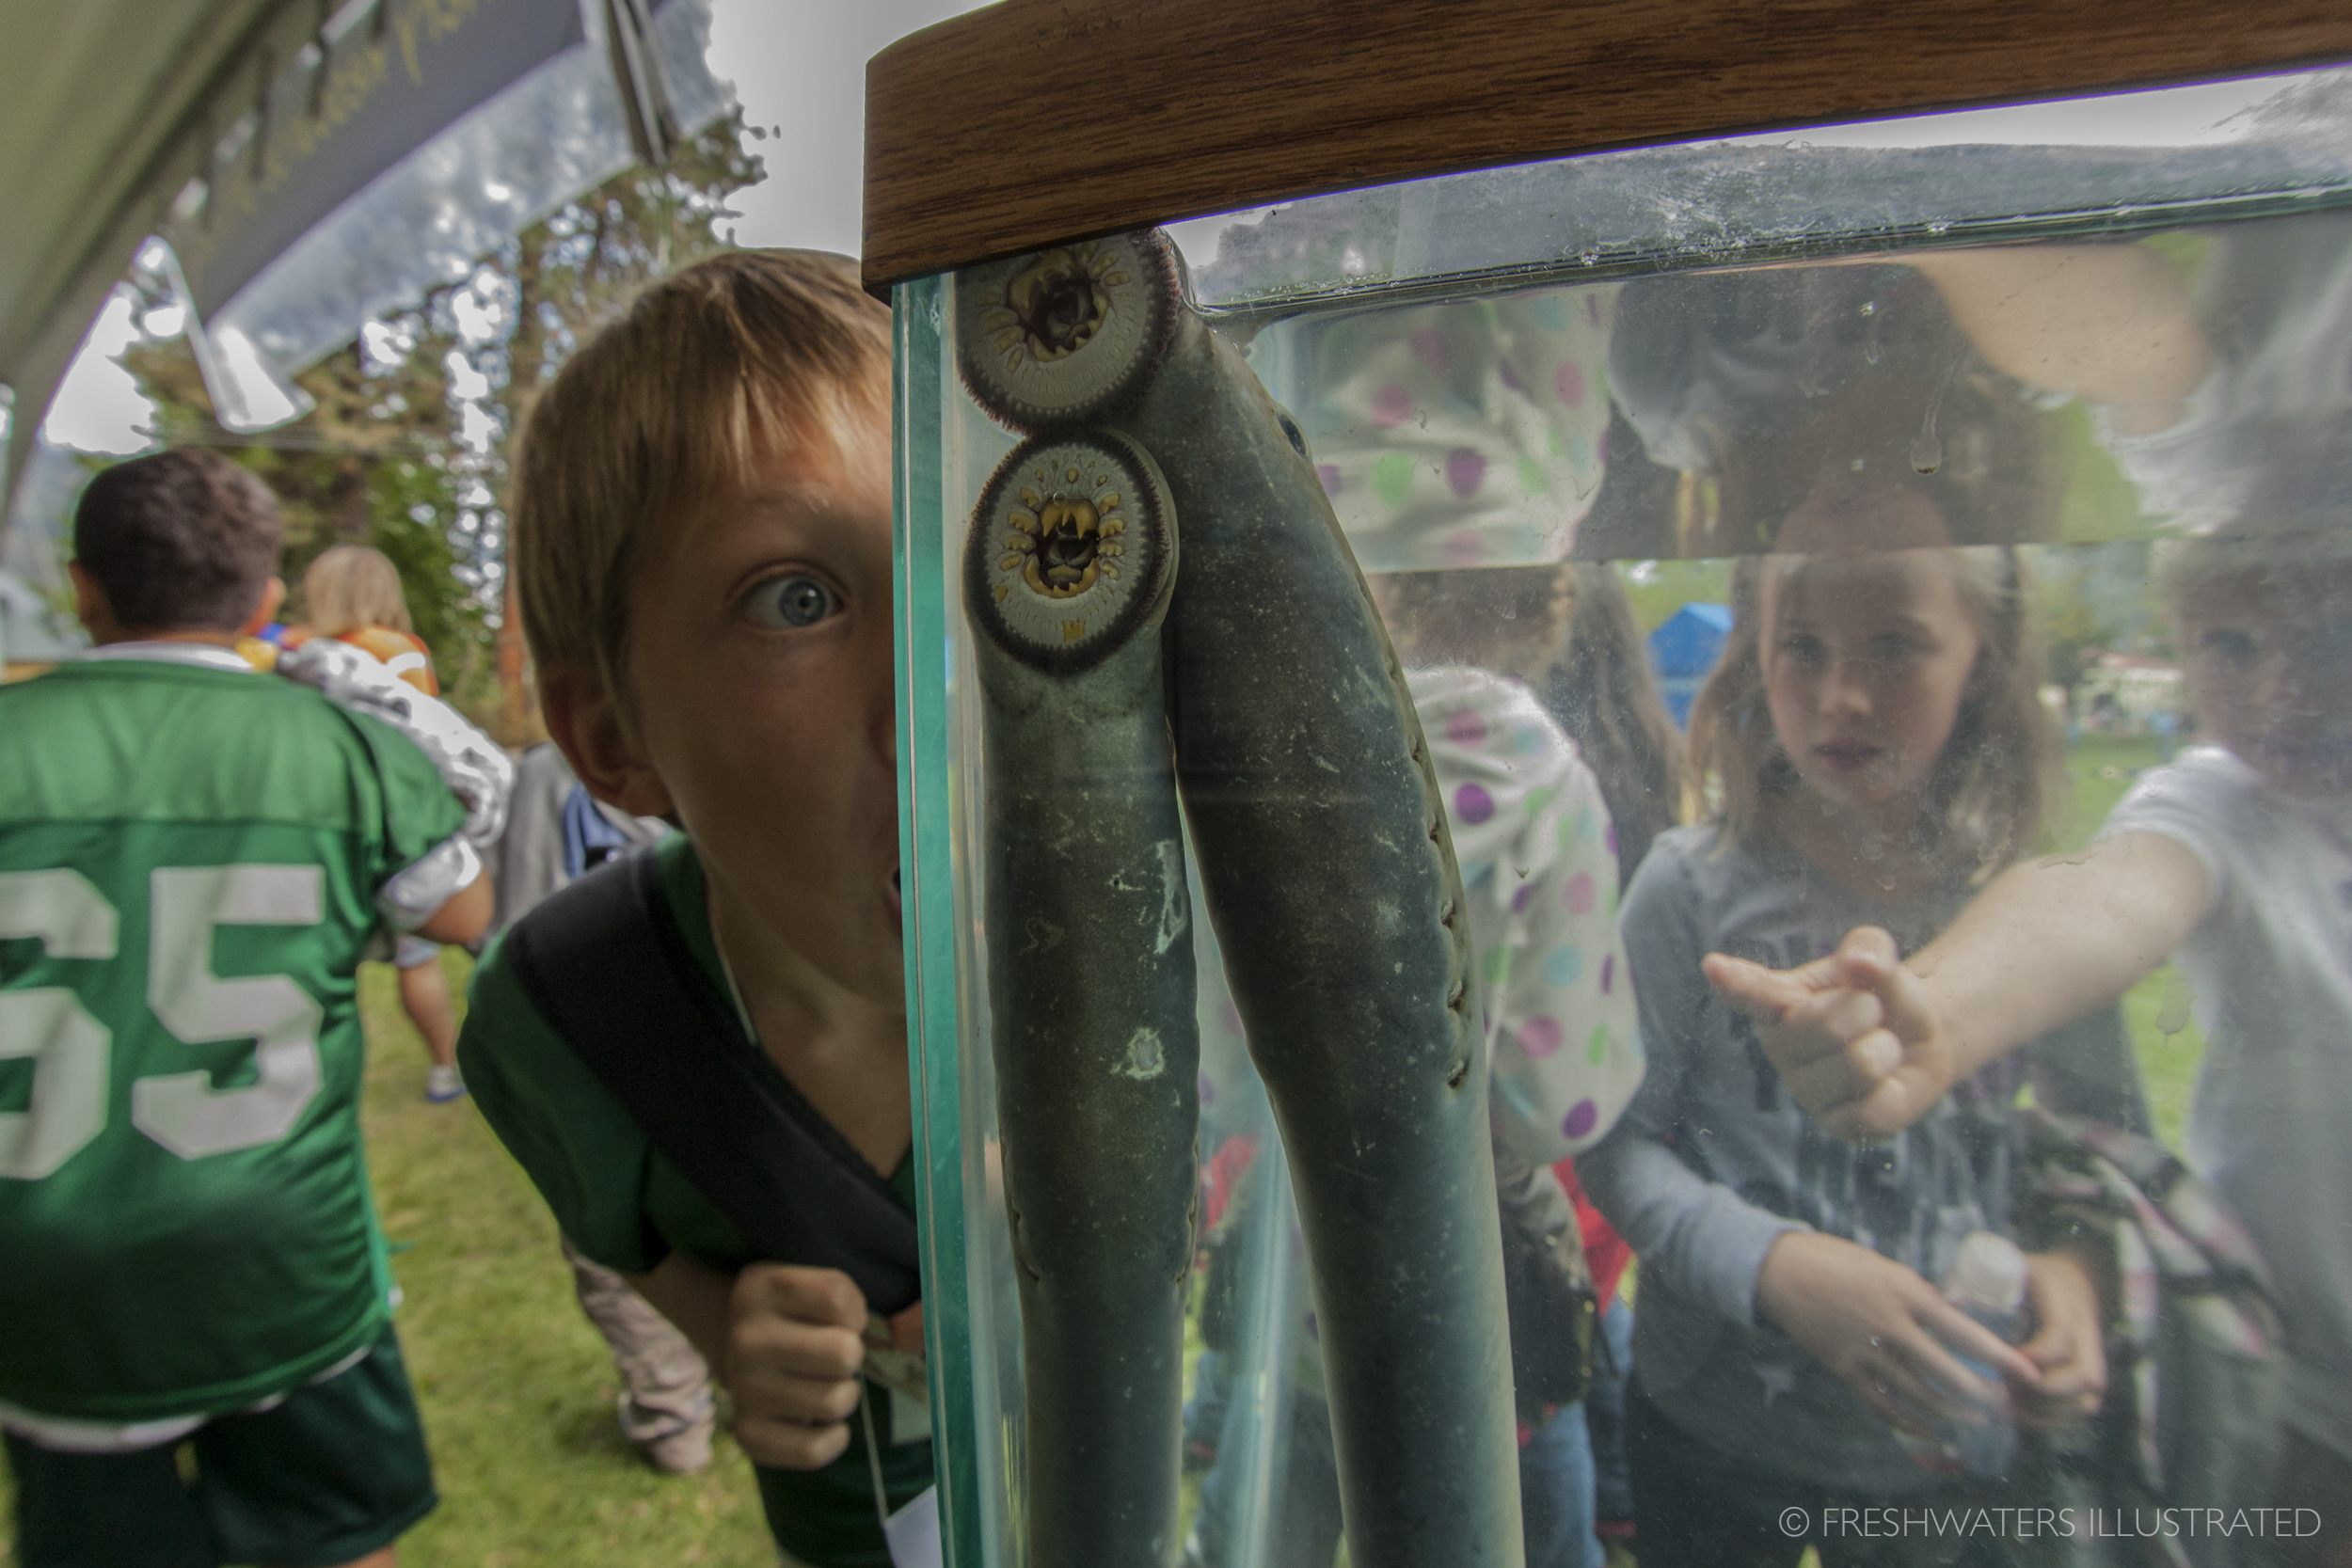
x: 73, y: 1050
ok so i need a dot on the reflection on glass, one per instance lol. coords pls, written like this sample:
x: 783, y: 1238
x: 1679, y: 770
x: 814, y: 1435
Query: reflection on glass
x: 1956, y: 1033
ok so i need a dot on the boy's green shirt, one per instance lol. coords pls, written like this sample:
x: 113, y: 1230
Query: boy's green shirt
x: 626, y: 1206
x: 189, y: 861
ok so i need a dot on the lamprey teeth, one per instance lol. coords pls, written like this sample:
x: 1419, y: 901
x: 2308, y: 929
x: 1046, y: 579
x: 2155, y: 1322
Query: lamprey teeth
x: 1058, y: 336
x: 1069, y: 549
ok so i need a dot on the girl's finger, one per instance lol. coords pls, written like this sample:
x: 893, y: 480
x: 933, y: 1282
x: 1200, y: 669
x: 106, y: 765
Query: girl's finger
x: 1941, y: 1329
x: 2074, y: 1384
x: 2070, y: 1371
x: 1761, y: 994
x: 1867, y: 957
x: 1949, y: 1395
x: 1844, y: 1016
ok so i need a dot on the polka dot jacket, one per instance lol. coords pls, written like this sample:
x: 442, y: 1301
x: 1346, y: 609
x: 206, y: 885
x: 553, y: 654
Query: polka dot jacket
x: 1469, y: 433
x: 1539, y: 867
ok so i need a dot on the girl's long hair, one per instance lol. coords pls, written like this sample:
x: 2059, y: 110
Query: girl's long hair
x: 1603, y: 692
x: 353, y: 586
x: 1993, y: 783
x: 1512, y: 620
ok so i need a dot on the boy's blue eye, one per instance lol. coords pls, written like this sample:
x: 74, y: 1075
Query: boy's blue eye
x: 789, y: 603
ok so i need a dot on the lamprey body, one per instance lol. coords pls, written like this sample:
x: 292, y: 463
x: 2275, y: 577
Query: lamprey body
x: 1067, y: 577
x: 1327, y: 872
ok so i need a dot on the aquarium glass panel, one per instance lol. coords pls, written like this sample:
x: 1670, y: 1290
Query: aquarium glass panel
x: 1645, y: 857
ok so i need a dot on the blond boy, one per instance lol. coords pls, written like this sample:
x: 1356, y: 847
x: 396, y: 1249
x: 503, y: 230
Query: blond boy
x: 702, y: 549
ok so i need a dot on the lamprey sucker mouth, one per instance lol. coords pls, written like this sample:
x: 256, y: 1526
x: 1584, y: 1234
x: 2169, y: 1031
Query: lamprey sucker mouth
x: 1054, y: 339
x: 1069, y: 544
x: 1069, y: 533
x: 1058, y: 305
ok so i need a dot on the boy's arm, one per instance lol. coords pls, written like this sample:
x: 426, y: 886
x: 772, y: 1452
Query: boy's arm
x: 786, y: 1341
x: 2112, y: 323
x: 1867, y: 1044
x: 461, y: 920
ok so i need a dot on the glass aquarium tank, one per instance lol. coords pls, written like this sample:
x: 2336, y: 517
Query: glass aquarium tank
x: 1393, y: 683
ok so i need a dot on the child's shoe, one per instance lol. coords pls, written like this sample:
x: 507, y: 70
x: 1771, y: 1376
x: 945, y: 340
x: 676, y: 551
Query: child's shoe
x: 442, y: 1085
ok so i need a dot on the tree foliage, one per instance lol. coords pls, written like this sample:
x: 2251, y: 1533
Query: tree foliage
x: 406, y: 447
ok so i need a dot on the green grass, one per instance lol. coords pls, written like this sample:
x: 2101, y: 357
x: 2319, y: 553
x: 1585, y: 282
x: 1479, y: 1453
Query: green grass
x: 517, y: 1389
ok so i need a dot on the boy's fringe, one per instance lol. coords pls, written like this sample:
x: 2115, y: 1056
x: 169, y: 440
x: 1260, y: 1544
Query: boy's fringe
x: 729, y: 363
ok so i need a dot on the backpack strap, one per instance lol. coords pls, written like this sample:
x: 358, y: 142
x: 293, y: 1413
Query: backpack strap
x: 605, y: 963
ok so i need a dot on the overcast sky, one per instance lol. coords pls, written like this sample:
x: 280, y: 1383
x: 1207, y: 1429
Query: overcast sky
x: 800, y: 66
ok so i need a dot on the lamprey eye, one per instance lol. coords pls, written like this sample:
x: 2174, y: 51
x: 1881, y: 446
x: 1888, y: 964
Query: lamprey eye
x: 1070, y: 547
x: 1059, y: 336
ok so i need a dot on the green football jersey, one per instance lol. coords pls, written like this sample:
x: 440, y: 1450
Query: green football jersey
x: 625, y: 1205
x: 189, y: 862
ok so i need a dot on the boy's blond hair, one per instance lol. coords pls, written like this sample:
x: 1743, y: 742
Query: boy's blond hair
x: 733, y: 360
x: 351, y: 587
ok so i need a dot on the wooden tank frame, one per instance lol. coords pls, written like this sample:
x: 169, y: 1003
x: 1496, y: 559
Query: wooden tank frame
x: 1186, y: 107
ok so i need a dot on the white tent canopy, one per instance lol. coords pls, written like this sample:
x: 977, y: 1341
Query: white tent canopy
x: 96, y: 98
x: 312, y: 162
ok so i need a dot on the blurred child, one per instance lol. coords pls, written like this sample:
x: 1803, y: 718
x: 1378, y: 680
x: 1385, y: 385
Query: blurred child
x: 1535, y: 843
x: 1603, y: 691
x: 2237, y: 858
x: 702, y: 550
x: 1875, y: 743
x: 196, y: 1360
x: 352, y: 594
x: 1538, y: 846
x: 665, y: 1406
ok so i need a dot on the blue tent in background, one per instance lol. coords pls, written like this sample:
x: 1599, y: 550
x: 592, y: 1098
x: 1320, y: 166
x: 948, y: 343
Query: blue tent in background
x: 1683, y: 649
